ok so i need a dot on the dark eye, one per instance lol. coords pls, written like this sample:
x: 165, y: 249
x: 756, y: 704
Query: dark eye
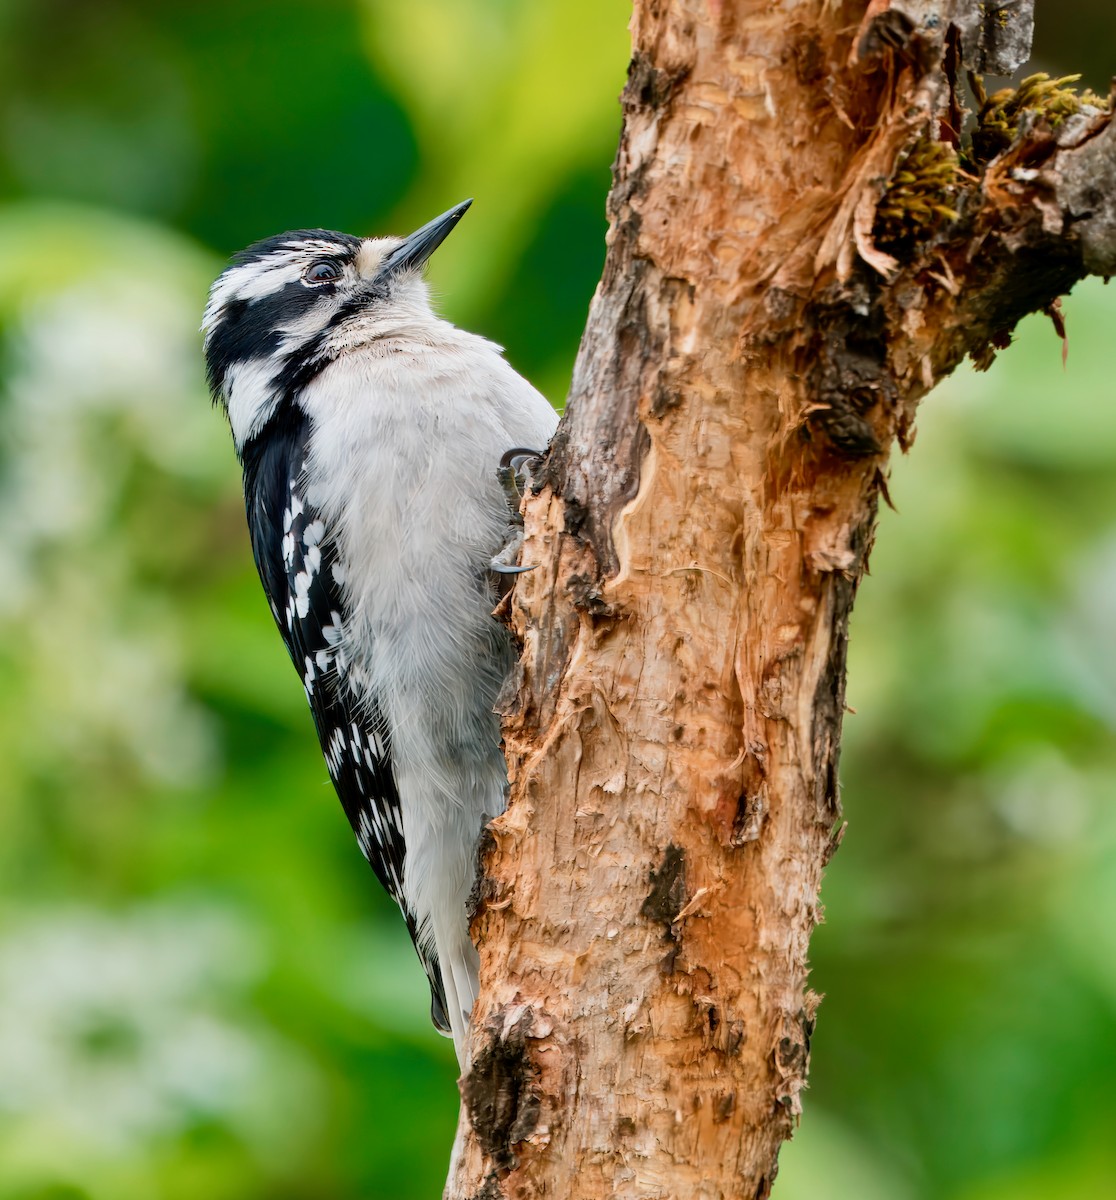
x: 322, y: 271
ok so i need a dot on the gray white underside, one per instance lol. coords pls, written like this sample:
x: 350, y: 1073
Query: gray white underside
x: 406, y: 437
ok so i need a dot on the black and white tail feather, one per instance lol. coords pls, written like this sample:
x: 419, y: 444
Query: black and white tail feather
x: 371, y: 432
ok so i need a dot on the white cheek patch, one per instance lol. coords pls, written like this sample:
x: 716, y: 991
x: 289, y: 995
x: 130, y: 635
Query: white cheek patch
x: 299, y: 330
x: 250, y: 396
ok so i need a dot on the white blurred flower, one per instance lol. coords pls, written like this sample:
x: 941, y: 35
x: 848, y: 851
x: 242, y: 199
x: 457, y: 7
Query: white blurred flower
x: 1040, y: 796
x: 118, y: 1029
x: 104, y: 376
x: 123, y: 348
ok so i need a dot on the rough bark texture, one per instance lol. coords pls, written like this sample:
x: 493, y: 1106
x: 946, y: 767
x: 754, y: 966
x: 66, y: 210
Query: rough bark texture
x: 778, y: 295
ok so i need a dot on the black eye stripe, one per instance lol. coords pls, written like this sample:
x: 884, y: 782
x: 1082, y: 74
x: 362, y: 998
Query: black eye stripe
x: 250, y: 328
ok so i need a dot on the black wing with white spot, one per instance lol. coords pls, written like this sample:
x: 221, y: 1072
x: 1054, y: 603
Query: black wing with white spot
x: 300, y: 573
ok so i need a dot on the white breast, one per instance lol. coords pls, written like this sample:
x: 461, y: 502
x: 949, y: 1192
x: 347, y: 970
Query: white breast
x: 407, y: 436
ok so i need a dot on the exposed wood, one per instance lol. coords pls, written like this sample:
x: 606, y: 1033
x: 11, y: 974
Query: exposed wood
x: 795, y: 257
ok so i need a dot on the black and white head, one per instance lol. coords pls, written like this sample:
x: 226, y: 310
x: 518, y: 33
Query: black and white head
x: 288, y: 306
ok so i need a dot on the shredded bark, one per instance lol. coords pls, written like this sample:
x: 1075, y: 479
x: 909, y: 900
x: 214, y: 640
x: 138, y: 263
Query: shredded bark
x: 807, y: 233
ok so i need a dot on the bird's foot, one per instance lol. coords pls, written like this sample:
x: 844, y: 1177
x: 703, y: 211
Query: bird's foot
x: 505, y: 563
x: 514, y: 474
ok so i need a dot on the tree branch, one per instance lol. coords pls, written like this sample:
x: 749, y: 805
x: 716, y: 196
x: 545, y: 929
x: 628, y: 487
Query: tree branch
x: 801, y: 245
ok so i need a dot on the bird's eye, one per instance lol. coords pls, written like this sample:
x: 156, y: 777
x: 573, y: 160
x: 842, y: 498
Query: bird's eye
x: 325, y: 270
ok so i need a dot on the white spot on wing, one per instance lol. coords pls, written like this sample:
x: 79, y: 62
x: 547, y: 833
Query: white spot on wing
x: 302, y: 594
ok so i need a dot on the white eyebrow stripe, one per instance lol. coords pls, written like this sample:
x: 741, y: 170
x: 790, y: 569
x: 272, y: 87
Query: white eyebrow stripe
x: 252, y: 281
x: 266, y: 276
x: 321, y: 246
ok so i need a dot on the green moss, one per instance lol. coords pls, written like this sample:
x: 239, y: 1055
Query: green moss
x: 921, y: 195
x: 1000, y: 114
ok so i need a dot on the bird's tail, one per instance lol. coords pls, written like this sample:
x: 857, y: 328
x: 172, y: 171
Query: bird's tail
x: 460, y: 969
x: 439, y: 1009
x: 452, y: 966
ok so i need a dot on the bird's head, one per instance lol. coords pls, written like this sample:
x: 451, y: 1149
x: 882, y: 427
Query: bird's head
x: 287, y: 306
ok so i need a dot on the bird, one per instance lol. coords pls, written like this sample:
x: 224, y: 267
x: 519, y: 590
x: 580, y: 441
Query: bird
x: 371, y: 434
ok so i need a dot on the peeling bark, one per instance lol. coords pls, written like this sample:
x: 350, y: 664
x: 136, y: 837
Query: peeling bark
x: 759, y: 340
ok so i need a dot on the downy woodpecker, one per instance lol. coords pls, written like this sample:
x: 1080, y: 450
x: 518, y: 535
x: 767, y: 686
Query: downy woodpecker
x: 370, y: 432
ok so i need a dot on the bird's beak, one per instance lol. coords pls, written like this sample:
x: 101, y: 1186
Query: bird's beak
x: 417, y: 248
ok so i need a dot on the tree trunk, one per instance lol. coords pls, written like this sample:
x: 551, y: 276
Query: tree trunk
x: 796, y: 255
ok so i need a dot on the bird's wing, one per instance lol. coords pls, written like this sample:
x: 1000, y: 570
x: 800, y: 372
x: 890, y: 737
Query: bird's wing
x: 301, y: 576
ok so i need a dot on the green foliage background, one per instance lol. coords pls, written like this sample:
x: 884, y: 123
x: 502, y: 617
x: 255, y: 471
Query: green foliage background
x: 202, y: 992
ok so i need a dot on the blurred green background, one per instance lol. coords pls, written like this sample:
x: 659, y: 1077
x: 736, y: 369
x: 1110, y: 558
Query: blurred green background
x: 202, y: 992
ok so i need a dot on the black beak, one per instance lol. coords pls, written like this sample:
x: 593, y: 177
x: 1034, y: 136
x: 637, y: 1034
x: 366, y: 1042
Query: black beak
x: 416, y: 249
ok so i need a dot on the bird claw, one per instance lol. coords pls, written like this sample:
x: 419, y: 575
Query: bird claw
x: 518, y: 457
x: 513, y: 476
x: 513, y: 473
x: 504, y: 562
